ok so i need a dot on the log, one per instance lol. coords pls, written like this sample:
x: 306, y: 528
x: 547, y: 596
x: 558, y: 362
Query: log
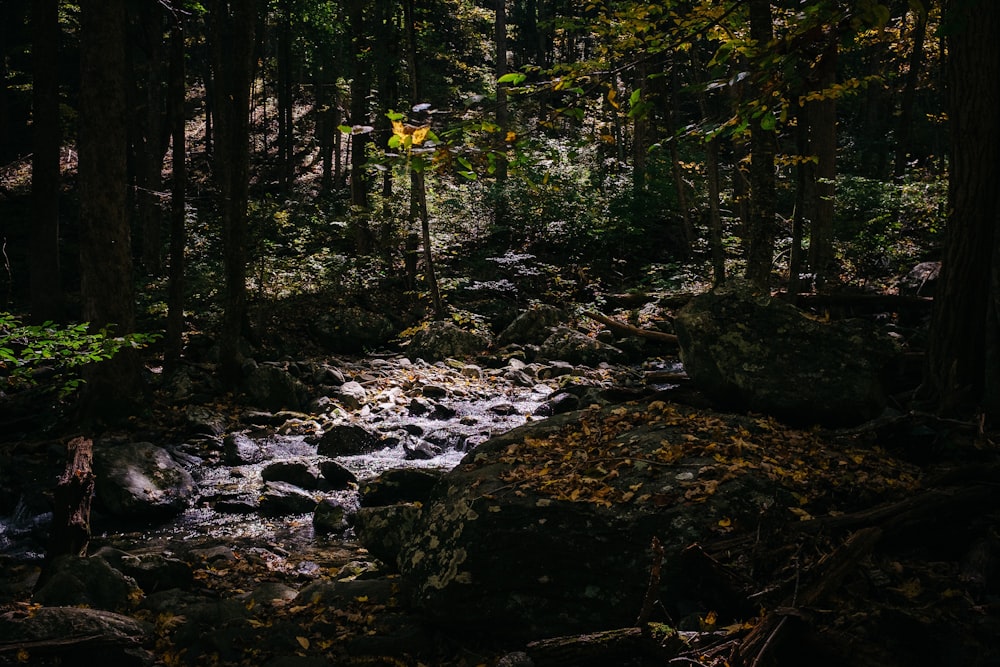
x: 629, y: 330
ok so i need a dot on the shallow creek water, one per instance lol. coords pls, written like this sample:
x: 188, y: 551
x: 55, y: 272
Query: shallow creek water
x: 477, y: 406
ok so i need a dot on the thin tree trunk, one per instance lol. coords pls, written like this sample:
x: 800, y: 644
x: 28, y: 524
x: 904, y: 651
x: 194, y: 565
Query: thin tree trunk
x: 425, y: 228
x: 178, y: 234
x: 823, y: 145
x: 760, y: 247
x: 909, y: 91
x: 46, y: 286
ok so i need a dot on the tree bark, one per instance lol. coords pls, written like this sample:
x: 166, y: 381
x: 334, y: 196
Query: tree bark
x: 46, y: 286
x: 178, y: 234
x: 905, y: 120
x: 761, y: 232
x: 232, y: 24
x: 113, y: 388
x: 822, y: 119
x: 70, y: 533
x: 964, y: 324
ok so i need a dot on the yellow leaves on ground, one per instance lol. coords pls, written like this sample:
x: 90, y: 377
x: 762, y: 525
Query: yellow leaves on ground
x: 687, y: 454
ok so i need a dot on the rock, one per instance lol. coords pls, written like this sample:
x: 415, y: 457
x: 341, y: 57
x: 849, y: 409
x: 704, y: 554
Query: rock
x: 331, y: 516
x: 241, y: 449
x: 336, y: 475
x: 752, y: 352
x: 486, y: 552
x: 399, y: 485
x: 273, y: 388
x: 74, y: 581
x: 921, y: 280
x: 352, y: 330
x: 420, y: 450
x: 348, y: 440
x: 202, y: 420
x: 352, y: 395
x: 300, y: 472
x: 384, y: 530
x: 280, y: 498
x: 78, y: 636
x: 440, y: 340
x: 152, y: 572
x: 557, y: 404
x: 532, y: 326
x: 434, y: 391
x: 571, y: 346
x: 141, y: 481
x: 328, y: 375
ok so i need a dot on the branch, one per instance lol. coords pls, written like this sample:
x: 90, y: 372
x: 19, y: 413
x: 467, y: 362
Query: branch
x: 629, y: 330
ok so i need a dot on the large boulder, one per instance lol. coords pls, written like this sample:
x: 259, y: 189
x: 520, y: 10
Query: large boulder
x: 273, y: 388
x: 440, y: 340
x: 570, y: 345
x: 547, y: 529
x: 73, y: 580
x: 75, y: 636
x: 753, y: 352
x: 532, y: 326
x: 139, y: 480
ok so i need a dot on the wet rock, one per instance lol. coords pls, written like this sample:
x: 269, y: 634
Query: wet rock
x: 331, y: 516
x: 352, y: 395
x: 574, y: 347
x: 348, y: 440
x: 78, y: 636
x: 441, y: 340
x: 420, y: 450
x: 140, y: 481
x: 384, y: 530
x: 472, y: 371
x: 503, y: 409
x: 532, y: 326
x: 399, y: 485
x: 352, y: 330
x: 242, y: 449
x: 273, y: 388
x: 152, y: 572
x: 336, y: 475
x: 752, y: 352
x: 303, y: 473
x: 447, y: 438
x: 271, y: 593
x: 280, y: 498
x: 93, y: 582
x: 557, y: 404
x: 433, y: 391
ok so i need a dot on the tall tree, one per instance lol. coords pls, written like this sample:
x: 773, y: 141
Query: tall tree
x: 46, y: 286
x: 114, y: 388
x: 822, y: 122
x: 178, y: 156
x: 761, y: 232
x: 232, y: 25
x: 964, y: 349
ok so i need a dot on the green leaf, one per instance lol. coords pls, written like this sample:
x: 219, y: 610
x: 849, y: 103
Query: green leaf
x: 513, y: 78
x: 768, y: 122
x: 346, y: 129
x: 471, y: 175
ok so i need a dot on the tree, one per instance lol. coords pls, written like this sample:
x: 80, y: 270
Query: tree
x: 46, y: 285
x: 178, y: 212
x: 114, y: 388
x: 964, y: 350
x: 232, y: 29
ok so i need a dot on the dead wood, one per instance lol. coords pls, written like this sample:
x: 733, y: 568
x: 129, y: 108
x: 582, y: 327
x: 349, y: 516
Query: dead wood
x: 71, y: 505
x: 609, y: 647
x: 629, y: 330
x: 826, y: 577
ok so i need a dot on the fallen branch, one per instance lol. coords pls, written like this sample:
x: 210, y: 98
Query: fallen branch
x: 608, y: 647
x: 71, y: 505
x: 629, y: 330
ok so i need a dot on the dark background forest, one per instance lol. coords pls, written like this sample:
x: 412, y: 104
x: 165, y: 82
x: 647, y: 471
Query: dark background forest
x: 207, y: 189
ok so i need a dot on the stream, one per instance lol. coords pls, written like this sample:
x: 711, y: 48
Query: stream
x: 430, y: 415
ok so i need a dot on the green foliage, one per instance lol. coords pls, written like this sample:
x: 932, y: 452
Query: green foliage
x: 26, y: 349
x: 882, y: 228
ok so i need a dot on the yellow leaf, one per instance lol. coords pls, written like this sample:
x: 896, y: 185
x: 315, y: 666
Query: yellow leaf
x: 725, y: 522
x: 398, y: 129
x: 303, y: 641
x: 511, y: 137
x: 361, y: 598
x: 420, y: 133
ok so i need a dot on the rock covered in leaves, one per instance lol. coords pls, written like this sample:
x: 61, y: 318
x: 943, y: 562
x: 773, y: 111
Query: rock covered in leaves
x: 750, y: 351
x: 441, y: 340
x: 140, y: 480
x: 532, y: 326
x: 547, y: 529
x: 352, y: 330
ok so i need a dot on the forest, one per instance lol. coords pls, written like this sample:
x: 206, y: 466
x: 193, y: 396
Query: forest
x: 499, y: 332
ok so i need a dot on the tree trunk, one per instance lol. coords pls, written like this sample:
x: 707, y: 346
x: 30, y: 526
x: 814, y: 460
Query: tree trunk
x: 425, y: 227
x: 909, y: 91
x: 962, y: 354
x: 232, y: 29
x: 285, y: 98
x: 360, y: 89
x: 822, y: 118
x: 113, y: 388
x: 761, y: 232
x: 500, y: 42
x: 46, y: 286
x: 178, y: 235
x: 70, y: 532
